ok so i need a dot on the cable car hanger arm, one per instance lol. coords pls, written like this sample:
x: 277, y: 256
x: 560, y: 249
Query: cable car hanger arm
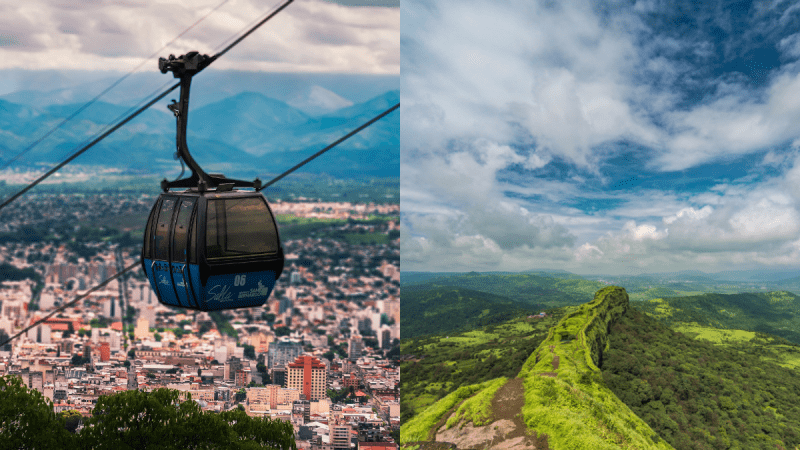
x: 185, y: 67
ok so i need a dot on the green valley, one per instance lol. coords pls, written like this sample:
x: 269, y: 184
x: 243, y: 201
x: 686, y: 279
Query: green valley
x: 698, y: 395
x: 434, y: 309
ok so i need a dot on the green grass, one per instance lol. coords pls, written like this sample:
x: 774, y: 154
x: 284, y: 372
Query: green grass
x: 418, y: 428
x: 769, y: 348
x: 466, y: 358
x: 575, y: 409
x: 776, y: 313
x: 715, y: 335
x: 478, y: 408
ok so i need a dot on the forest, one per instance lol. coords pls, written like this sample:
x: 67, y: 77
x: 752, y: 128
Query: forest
x: 697, y: 395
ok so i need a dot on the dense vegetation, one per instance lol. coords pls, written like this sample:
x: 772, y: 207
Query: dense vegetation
x: 133, y: 420
x: 11, y: 273
x: 776, y: 313
x: 438, y: 365
x: 433, y: 309
x: 697, y: 395
x: 565, y: 397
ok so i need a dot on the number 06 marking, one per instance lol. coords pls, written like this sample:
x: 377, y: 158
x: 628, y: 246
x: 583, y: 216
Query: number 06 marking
x: 239, y: 280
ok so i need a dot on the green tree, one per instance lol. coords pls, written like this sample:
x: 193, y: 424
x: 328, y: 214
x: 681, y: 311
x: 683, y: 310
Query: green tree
x: 72, y: 419
x: 158, y: 420
x: 254, y: 432
x: 249, y: 351
x: 27, y: 419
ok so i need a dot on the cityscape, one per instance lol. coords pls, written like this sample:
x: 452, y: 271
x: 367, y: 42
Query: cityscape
x: 321, y: 353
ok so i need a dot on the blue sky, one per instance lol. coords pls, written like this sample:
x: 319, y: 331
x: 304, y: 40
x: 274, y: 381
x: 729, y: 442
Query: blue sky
x: 631, y: 137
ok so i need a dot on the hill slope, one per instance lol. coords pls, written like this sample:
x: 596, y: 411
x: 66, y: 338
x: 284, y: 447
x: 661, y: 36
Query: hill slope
x: 776, y: 313
x: 433, y: 309
x: 697, y: 395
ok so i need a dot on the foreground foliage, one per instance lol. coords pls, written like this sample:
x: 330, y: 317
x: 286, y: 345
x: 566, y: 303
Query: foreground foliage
x: 698, y: 395
x: 133, y: 420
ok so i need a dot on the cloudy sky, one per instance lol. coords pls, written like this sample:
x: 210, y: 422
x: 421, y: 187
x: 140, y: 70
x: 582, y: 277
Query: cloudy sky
x: 73, y: 50
x: 637, y: 136
x: 309, y: 36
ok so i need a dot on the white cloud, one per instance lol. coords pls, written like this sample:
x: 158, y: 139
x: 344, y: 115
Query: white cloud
x: 308, y: 36
x: 690, y: 213
x: 556, y: 72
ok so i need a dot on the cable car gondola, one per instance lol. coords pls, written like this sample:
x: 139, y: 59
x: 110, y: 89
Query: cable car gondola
x: 210, y: 246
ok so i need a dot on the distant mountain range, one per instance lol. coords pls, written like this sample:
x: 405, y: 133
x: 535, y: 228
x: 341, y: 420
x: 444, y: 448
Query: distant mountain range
x: 245, y: 135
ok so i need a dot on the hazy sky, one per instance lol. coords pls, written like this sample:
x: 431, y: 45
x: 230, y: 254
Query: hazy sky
x: 309, y: 36
x: 636, y: 136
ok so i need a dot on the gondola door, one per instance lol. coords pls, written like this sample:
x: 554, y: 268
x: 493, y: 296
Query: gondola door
x: 181, y: 250
x: 160, y: 265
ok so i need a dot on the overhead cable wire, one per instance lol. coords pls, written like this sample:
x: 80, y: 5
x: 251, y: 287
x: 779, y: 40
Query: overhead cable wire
x: 339, y: 141
x: 87, y: 147
x: 67, y: 305
x: 113, y: 85
x: 139, y: 111
x: 271, y: 182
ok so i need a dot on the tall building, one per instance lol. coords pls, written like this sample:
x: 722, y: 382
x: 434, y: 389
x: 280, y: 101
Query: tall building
x: 354, y: 348
x: 308, y: 375
x: 279, y: 376
x: 340, y: 436
x: 386, y: 338
x: 105, y: 351
x: 132, y: 382
x: 282, y: 352
x: 233, y: 365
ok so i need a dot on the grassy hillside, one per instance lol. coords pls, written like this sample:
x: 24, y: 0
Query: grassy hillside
x: 776, y: 313
x: 432, y: 309
x: 565, y: 396
x: 436, y: 366
x: 699, y: 395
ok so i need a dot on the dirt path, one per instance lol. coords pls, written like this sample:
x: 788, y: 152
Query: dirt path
x: 507, y: 430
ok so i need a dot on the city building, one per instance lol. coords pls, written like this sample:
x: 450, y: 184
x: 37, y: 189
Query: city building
x: 283, y: 352
x: 308, y: 375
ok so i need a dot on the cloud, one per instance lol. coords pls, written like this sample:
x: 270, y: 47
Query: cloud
x: 555, y: 73
x: 309, y: 36
x: 516, y: 117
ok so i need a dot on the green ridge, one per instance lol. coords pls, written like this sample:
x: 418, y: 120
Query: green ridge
x: 569, y: 403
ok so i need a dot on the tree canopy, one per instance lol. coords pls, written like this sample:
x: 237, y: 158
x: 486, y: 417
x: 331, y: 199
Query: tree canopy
x: 161, y: 419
